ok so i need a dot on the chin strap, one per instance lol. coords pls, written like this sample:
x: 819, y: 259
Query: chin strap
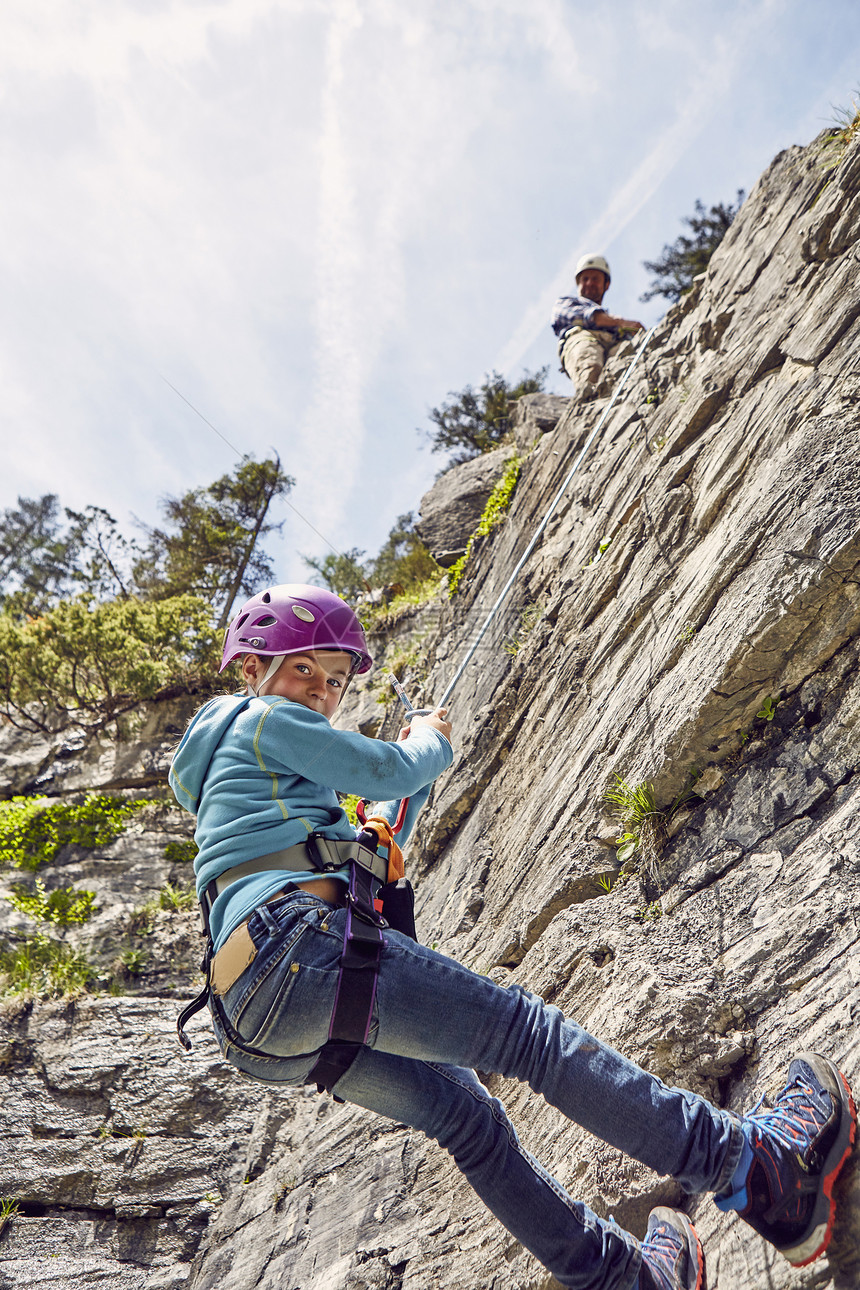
x: 274, y: 664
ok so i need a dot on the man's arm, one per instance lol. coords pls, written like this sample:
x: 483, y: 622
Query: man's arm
x: 603, y: 319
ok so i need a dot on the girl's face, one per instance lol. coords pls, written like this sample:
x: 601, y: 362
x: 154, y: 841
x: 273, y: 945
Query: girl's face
x: 316, y: 679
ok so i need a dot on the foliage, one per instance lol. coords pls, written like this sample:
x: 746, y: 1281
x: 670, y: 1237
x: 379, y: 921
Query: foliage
x: 644, y: 823
x: 636, y: 808
x: 181, y: 852
x: 94, y: 662
x: 403, y: 558
x: 767, y: 711
x: 42, y: 561
x: 141, y: 921
x: 349, y: 803
x: 342, y: 572
x: 176, y: 898
x: 846, y: 122
x: 33, y: 831
x: 528, y: 619
x: 473, y: 421
x: 602, y: 548
x: 210, y: 548
x: 43, y: 966
x: 35, y: 557
x: 64, y: 906
x: 403, y: 561
x: 650, y: 913
x: 107, y: 1130
x: 133, y: 961
x: 687, y: 257
x: 497, y: 503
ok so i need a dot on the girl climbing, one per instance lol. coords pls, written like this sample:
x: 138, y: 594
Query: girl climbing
x: 308, y: 982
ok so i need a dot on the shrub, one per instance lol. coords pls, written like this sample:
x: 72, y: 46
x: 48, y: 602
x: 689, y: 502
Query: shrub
x: 176, y: 898
x: 476, y: 422
x: 91, y: 662
x: 33, y: 831
x: 45, y: 967
x: 181, y: 852
x: 64, y: 906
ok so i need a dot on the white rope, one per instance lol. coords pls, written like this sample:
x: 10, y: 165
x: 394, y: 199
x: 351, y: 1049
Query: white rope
x: 555, y: 501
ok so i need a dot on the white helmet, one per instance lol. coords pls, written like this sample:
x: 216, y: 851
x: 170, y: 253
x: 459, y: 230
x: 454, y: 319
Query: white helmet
x: 593, y: 262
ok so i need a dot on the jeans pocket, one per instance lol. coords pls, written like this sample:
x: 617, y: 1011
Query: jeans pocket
x: 286, y: 1005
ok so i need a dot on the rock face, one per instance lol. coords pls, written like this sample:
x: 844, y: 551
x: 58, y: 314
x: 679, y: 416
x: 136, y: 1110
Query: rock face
x: 534, y: 415
x: 452, y: 507
x: 690, y: 618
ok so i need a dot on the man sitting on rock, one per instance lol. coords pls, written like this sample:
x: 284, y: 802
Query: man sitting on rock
x: 586, y: 332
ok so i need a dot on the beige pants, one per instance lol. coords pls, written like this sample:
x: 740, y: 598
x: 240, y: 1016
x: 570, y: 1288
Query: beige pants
x: 584, y: 353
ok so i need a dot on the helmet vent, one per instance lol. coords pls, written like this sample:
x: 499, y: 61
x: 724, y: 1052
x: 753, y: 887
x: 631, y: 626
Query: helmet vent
x: 300, y: 612
x: 266, y: 597
x: 268, y: 621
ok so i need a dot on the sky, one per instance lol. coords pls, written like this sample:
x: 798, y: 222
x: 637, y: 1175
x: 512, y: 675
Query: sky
x: 312, y: 220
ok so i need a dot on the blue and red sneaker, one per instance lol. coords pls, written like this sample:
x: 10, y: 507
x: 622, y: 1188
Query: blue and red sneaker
x: 798, y: 1148
x: 672, y: 1257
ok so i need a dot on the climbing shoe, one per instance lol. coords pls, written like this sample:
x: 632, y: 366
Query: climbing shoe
x: 798, y: 1147
x: 672, y: 1257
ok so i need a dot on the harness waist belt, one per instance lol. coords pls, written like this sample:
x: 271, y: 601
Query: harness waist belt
x: 316, y: 856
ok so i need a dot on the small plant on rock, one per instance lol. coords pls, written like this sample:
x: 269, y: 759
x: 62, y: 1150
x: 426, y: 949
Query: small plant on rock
x: 8, y: 1209
x: 181, y: 852
x: 635, y: 807
x: 176, y: 898
x: 645, y: 825
x: 44, y: 967
x: 649, y: 913
x: 846, y: 122
x: 133, y: 961
x: 529, y: 617
x: 64, y: 906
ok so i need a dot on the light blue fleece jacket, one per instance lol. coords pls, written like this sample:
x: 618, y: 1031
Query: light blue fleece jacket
x: 261, y: 774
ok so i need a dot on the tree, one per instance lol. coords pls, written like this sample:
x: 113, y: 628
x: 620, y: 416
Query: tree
x: 403, y: 557
x: 211, y: 548
x: 103, y: 558
x: 475, y: 422
x: 36, y: 558
x: 689, y: 256
x: 342, y: 572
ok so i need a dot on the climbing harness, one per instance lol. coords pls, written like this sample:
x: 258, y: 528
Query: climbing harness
x: 555, y: 501
x: 377, y: 897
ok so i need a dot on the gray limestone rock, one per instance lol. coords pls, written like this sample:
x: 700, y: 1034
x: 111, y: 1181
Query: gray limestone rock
x: 535, y: 415
x: 451, y: 509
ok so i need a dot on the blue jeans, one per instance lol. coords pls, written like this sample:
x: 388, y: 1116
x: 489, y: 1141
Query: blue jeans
x: 434, y: 1021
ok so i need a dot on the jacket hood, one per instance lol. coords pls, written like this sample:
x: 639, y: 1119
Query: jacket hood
x: 192, y: 758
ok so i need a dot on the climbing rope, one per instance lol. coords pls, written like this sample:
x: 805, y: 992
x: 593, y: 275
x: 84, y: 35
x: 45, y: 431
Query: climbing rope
x: 539, y: 530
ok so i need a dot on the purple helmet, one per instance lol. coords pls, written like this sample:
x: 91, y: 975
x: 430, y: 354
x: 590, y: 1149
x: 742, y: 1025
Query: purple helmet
x: 291, y: 619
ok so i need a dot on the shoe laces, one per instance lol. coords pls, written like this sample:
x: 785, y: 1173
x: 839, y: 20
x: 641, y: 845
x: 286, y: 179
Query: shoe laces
x: 794, y: 1122
x: 661, y: 1249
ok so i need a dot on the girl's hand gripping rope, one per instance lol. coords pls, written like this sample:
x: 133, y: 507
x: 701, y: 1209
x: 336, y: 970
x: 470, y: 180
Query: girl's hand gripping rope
x: 436, y: 719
